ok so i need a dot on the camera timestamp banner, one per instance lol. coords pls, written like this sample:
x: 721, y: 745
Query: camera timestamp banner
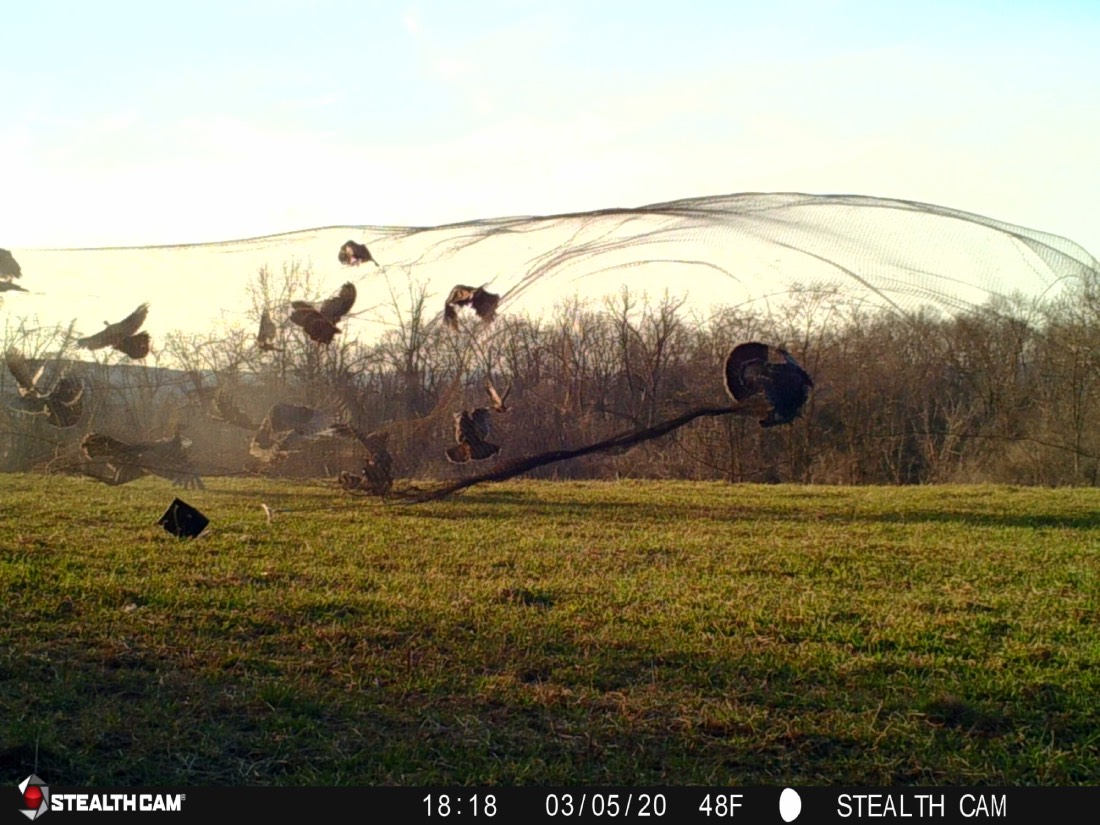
x: 36, y: 798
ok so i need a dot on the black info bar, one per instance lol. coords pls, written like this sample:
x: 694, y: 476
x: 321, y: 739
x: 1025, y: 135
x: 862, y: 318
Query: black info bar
x: 804, y: 805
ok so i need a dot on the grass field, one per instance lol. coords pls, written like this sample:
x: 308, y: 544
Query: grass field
x: 568, y: 633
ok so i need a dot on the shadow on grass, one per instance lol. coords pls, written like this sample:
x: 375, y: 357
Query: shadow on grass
x: 493, y: 502
x: 496, y: 506
x: 554, y: 712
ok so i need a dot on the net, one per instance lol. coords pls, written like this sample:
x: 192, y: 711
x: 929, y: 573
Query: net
x: 396, y: 367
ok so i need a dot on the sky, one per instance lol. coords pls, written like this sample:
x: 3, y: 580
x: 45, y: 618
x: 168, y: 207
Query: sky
x: 136, y: 123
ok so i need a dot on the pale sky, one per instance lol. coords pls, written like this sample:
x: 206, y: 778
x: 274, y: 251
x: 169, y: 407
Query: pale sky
x: 140, y: 123
x: 132, y: 123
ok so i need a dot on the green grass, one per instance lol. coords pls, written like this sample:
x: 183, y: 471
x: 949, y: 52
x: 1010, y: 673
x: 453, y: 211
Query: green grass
x: 552, y: 633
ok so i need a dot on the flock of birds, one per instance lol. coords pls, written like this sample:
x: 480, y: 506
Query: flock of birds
x: 754, y: 373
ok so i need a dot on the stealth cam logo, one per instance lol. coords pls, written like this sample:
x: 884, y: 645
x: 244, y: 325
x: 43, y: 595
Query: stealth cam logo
x: 36, y: 797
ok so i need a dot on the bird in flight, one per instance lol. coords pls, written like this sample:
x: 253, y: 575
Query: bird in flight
x: 62, y: 405
x: 484, y: 303
x: 496, y: 400
x: 265, y: 336
x: 9, y: 267
x: 353, y: 254
x: 283, y: 426
x: 224, y: 408
x: 117, y: 462
x: 9, y: 271
x: 377, y: 475
x: 471, y: 432
x: 123, y: 336
x: 319, y: 322
x: 755, y: 369
x: 21, y: 371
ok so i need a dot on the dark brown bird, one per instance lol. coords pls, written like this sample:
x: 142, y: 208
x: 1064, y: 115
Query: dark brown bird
x: 353, y: 254
x: 496, y: 400
x: 377, y: 475
x: 755, y: 369
x: 471, y: 432
x: 265, y: 336
x: 320, y: 322
x: 26, y: 381
x: 9, y: 268
x: 283, y: 425
x: 340, y: 304
x: 123, y: 336
x: 8, y: 286
x: 116, y: 462
x: 63, y: 405
x: 223, y: 408
x: 317, y: 327
x: 297, y: 418
x: 484, y: 304
x: 110, y: 472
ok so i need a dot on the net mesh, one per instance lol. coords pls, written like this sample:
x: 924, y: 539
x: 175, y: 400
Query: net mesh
x: 396, y: 367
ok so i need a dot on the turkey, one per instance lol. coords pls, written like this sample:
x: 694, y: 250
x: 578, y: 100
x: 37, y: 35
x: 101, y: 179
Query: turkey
x: 496, y: 400
x: 123, y: 336
x: 63, y: 405
x: 25, y: 380
x: 117, y: 462
x: 471, y: 432
x: 320, y: 322
x: 265, y: 336
x: 285, y: 425
x: 353, y: 254
x: 224, y: 408
x: 482, y: 302
x: 9, y: 270
x: 377, y: 475
x: 754, y: 369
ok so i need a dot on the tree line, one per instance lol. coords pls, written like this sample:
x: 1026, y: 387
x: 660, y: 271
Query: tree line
x: 1002, y: 393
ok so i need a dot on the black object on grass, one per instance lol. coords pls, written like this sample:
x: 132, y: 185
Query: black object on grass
x: 183, y: 520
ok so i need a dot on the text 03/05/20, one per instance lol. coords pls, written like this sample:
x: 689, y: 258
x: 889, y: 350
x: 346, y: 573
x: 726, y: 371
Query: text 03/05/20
x: 606, y: 804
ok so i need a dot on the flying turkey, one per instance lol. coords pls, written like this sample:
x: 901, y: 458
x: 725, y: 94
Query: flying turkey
x: 496, y: 400
x: 123, y: 336
x: 484, y: 303
x: 63, y: 405
x: 9, y: 271
x: 320, y: 322
x: 117, y: 462
x: 377, y: 475
x: 9, y: 267
x: 755, y: 369
x: 353, y: 254
x: 224, y: 408
x: 285, y: 424
x: 265, y: 336
x: 471, y: 432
